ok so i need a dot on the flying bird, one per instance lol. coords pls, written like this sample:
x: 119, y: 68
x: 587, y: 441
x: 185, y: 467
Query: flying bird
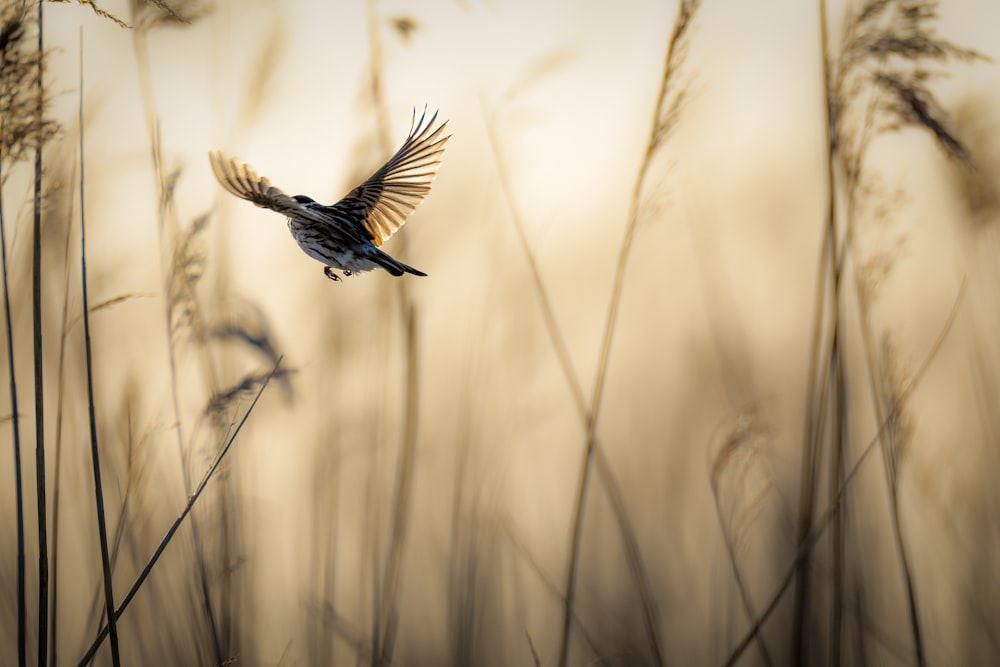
x: 348, y: 235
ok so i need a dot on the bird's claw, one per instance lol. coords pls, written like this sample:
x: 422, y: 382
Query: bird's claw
x: 328, y: 272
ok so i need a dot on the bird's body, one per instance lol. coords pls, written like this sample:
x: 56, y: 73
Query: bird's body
x: 351, y: 251
x: 347, y: 235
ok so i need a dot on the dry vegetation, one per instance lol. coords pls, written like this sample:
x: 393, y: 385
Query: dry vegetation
x: 469, y: 488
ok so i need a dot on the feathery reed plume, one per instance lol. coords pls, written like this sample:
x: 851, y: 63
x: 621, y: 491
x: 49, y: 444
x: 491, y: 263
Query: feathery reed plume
x: 888, y: 50
x: 186, y: 270
x: 22, y: 129
x: 739, y: 446
x: 244, y: 322
x: 899, y: 431
x: 912, y: 103
x: 149, y: 14
x: 876, y: 83
x: 220, y: 405
x: 979, y: 183
x: 893, y: 48
x: 104, y: 14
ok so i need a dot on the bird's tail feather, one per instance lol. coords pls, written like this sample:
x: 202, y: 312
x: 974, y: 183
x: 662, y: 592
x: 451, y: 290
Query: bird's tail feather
x: 394, y: 266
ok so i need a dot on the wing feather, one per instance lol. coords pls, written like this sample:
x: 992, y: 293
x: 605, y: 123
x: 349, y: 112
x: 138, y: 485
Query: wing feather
x: 240, y: 179
x: 393, y: 192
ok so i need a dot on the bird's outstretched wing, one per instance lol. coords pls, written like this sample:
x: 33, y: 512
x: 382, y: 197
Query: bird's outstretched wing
x: 386, y: 200
x: 241, y: 180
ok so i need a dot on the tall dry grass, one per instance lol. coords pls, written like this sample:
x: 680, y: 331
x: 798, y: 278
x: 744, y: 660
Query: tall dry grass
x: 440, y: 437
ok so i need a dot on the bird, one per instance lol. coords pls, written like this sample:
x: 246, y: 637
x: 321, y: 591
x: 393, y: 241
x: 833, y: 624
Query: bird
x: 348, y: 234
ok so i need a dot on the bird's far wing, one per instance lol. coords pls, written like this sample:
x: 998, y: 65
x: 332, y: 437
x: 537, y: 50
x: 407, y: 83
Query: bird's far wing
x: 393, y: 192
x: 241, y: 180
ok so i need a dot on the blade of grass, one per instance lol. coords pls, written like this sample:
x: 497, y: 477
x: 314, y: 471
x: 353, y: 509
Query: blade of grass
x: 64, y: 328
x: 102, y: 529
x: 838, y: 451
x: 192, y: 499
x: 403, y: 484
x: 840, y: 425
x: 857, y: 169
x: 164, y: 193
x: 36, y: 317
x: 907, y: 101
x: 659, y: 128
x: 402, y: 496
x: 22, y: 657
x: 819, y: 526
x: 547, y: 583
x: 637, y: 568
x: 819, y: 358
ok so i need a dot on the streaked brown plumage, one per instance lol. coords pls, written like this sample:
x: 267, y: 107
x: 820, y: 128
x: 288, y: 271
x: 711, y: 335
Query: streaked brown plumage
x: 347, y: 235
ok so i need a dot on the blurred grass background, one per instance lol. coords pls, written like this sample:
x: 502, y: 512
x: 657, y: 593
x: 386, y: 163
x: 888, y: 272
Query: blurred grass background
x: 408, y: 487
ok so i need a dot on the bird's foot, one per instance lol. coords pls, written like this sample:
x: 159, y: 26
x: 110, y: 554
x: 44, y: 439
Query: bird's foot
x: 347, y: 273
x: 328, y: 272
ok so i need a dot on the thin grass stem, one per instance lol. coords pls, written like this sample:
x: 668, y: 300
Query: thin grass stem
x: 36, y: 317
x: 403, y: 484
x: 192, y: 499
x: 819, y: 526
x: 109, y: 598
x: 22, y: 657
x: 140, y: 48
x: 886, y: 441
x: 606, y: 475
x: 403, y: 494
x: 658, y: 130
x: 827, y: 300
x: 837, y: 544
x: 64, y: 327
